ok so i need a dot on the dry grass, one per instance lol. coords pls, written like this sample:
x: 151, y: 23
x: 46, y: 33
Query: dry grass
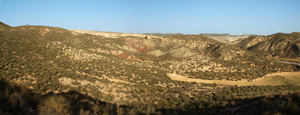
x: 271, y: 79
x: 54, y: 106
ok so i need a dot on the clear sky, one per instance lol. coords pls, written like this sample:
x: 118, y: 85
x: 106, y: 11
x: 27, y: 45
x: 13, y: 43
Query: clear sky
x: 157, y: 16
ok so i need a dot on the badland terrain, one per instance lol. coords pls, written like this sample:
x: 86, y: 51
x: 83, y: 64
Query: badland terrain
x: 51, y: 70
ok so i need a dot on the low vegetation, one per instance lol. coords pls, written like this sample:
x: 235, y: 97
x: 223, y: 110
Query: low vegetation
x: 279, y: 45
x: 49, y: 70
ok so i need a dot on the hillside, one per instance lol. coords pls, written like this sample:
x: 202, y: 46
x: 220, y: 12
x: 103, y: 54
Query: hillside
x: 132, y: 69
x: 113, y: 34
x: 223, y: 38
x: 163, y: 34
x: 279, y: 45
x: 4, y: 26
x: 226, y: 38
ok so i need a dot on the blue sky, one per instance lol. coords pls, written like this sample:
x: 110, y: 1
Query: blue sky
x: 262, y: 17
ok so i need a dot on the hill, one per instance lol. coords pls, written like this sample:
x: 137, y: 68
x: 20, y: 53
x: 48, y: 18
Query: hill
x: 279, y: 45
x: 132, y: 70
x: 226, y: 38
x: 163, y: 34
x: 3, y: 26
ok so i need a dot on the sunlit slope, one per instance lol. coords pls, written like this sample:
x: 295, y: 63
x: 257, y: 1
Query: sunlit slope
x: 122, y: 69
x: 279, y: 45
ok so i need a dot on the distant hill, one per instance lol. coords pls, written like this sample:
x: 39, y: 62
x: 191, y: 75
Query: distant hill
x: 163, y: 34
x: 277, y: 45
x: 226, y: 38
x: 215, y: 35
x: 223, y: 38
x: 114, y: 34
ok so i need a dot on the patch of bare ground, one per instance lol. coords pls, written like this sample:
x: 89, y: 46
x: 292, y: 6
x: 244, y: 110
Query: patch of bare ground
x: 270, y: 79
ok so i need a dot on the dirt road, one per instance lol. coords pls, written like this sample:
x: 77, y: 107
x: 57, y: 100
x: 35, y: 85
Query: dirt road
x: 270, y: 79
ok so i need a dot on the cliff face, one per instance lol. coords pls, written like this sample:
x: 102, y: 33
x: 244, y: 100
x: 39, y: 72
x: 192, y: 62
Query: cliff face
x: 276, y: 45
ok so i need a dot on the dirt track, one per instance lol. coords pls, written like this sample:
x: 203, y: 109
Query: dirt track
x: 270, y: 79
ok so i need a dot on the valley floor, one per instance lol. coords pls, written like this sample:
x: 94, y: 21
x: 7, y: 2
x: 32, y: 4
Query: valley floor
x: 273, y: 79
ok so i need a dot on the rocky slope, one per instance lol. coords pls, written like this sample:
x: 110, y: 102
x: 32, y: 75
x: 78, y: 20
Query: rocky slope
x: 277, y: 45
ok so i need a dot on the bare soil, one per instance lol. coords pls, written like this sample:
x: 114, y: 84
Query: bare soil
x: 270, y: 79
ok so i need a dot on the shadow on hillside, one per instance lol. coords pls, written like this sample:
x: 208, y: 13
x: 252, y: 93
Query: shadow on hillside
x: 267, y: 105
x: 19, y: 100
